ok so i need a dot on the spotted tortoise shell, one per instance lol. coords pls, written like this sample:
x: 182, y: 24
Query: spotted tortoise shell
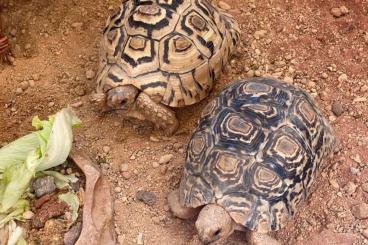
x: 256, y: 152
x: 173, y: 50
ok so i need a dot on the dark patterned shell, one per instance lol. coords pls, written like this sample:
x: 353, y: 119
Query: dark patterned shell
x: 257, y: 149
x: 173, y: 50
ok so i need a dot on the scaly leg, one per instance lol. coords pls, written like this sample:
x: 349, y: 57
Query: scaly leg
x: 255, y: 238
x: 160, y: 115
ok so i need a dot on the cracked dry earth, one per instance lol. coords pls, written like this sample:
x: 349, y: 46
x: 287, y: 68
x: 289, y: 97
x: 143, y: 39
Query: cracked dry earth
x: 319, y: 45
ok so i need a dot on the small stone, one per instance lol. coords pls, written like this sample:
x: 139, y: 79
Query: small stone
x: 324, y: 75
x: 28, y: 214
x: 360, y: 211
x: 140, y: 240
x: 342, y: 78
x: 146, y: 197
x: 259, y: 34
x: 13, y: 32
x: 364, y: 88
x: 69, y: 171
x: 337, y: 108
x: 154, y: 139
x: 354, y: 171
x: 72, y: 235
x: 117, y: 189
x: 334, y: 184
x: 80, y: 91
x: 365, y: 187
x: 124, y: 167
x: 106, y: 149
x: 155, y: 164
x: 344, y: 10
x: 336, y: 12
x: 31, y: 83
x: 350, y: 188
x: 24, y: 85
x: 36, y: 77
x: 90, y: 74
x: 365, y: 233
x: 126, y: 175
x: 51, y: 104
x: 77, y: 24
x: 19, y: 91
x: 166, y: 159
x: 77, y: 104
x: 224, y: 5
x: 121, y: 239
x: 289, y: 80
x: 44, y: 185
x: 27, y: 46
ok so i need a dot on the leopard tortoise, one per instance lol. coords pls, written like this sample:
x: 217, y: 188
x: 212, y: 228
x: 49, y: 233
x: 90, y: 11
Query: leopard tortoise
x: 157, y: 54
x: 256, y: 152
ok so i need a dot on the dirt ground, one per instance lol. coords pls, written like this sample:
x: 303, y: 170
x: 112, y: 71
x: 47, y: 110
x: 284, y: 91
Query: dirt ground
x: 55, y: 44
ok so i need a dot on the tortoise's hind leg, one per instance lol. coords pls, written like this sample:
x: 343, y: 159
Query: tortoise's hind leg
x: 255, y: 238
x: 159, y: 114
x: 4, y: 48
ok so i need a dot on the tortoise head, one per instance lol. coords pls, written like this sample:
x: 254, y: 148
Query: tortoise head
x: 214, y: 223
x: 121, y: 98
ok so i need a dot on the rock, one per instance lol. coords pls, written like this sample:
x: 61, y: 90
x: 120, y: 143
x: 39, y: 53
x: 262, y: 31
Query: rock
x: 365, y: 187
x: 155, y: 164
x: 77, y: 104
x: 51, y: 104
x: 360, y: 211
x: 140, y: 240
x: 44, y: 185
x: 344, y: 10
x: 365, y: 233
x: 336, y: 12
x: 31, y: 83
x: 121, y: 239
x: 106, y: 149
x: 350, y: 188
x: 51, y: 209
x: 28, y: 214
x: 165, y: 159
x: 342, y: 78
x: 124, y: 167
x: 126, y: 175
x: 154, y: 139
x: 289, y: 80
x: 337, y: 108
x: 259, y: 34
x: 334, y: 184
x: 90, y: 74
x: 72, y: 235
x: 24, y: 85
x: 147, y: 197
x: 224, y: 5
x: 77, y: 24
x: 117, y: 189
x: 36, y: 77
x: 80, y: 91
x: 19, y: 91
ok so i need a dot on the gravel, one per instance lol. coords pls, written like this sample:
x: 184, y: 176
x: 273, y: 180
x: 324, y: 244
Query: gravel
x: 146, y: 197
x: 44, y: 185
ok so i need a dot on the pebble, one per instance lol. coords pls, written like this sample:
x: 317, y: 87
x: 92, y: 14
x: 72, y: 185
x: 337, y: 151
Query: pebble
x: 360, y: 211
x: 350, y: 188
x: 44, y: 185
x: 77, y: 104
x: 342, y: 78
x: 155, y: 164
x: 344, y: 10
x: 126, y: 175
x: 124, y: 167
x: 77, y: 24
x: 36, y: 77
x: 31, y: 83
x: 121, y: 239
x: 289, y: 80
x: 28, y: 46
x: 365, y: 233
x: 259, y: 34
x: 354, y: 171
x: 90, y: 74
x: 117, y: 189
x: 51, y: 104
x: 24, y: 85
x: 72, y: 235
x: 336, y: 12
x: 28, y: 214
x: 19, y: 91
x: 146, y: 197
x: 166, y: 158
x: 337, y: 108
x: 224, y: 5
x: 334, y: 184
x: 140, y: 240
x: 365, y: 187
x: 106, y: 149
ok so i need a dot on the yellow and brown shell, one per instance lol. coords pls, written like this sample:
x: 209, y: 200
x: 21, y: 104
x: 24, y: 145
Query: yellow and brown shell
x: 173, y: 50
x: 256, y: 152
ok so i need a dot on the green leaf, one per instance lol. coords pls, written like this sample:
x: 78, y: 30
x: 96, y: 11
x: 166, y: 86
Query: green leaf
x: 73, y: 202
x: 61, y: 181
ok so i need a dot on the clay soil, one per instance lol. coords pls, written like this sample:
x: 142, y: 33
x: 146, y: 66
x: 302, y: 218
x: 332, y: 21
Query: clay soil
x: 55, y: 45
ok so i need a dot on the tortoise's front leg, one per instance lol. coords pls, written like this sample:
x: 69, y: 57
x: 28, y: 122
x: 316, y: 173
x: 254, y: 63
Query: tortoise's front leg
x: 160, y: 115
x: 178, y: 210
x: 4, y: 48
x: 255, y: 238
